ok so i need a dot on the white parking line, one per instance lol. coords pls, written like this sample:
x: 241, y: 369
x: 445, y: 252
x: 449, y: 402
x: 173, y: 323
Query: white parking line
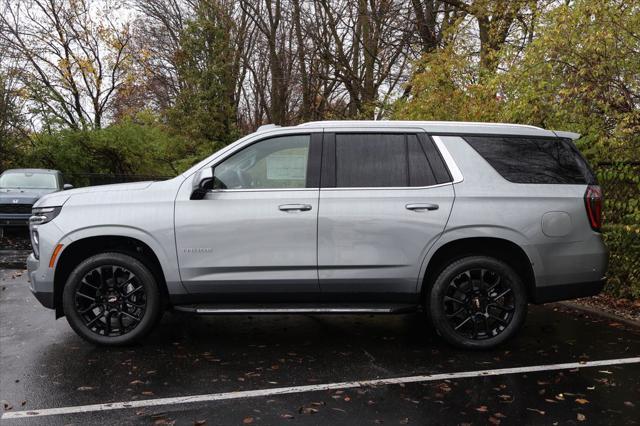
x: 309, y: 388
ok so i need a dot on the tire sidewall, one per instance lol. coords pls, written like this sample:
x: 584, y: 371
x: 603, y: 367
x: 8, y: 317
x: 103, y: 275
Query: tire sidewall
x: 436, y: 307
x: 145, y: 277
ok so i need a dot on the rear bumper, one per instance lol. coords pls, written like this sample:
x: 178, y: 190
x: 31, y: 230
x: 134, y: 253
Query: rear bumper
x: 568, y: 291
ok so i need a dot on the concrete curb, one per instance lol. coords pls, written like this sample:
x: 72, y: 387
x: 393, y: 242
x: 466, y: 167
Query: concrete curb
x: 600, y: 313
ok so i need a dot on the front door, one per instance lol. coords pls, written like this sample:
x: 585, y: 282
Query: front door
x: 256, y: 230
x: 385, y: 199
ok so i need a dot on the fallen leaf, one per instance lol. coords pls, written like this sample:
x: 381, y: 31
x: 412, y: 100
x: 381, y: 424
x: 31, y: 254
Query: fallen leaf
x: 247, y: 420
x: 199, y: 422
x: 535, y: 410
x: 494, y: 421
x: 85, y: 388
x: 286, y: 416
x: 136, y: 382
x: 581, y: 417
x: 582, y: 401
x: 482, y: 409
x: 307, y: 410
x: 629, y: 404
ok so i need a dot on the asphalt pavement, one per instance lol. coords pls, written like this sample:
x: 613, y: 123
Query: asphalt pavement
x: 283, y: 369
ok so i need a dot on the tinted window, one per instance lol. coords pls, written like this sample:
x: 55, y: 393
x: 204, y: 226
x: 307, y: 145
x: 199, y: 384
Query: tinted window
x: 532, y: 160
x: 420, y: 173
x: 371, y: 160
x: 279, y: 162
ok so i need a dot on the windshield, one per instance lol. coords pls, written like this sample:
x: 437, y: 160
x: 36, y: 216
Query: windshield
x: 28, y: 180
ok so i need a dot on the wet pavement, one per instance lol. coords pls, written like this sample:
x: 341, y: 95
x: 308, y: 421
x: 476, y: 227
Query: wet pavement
x: 43, y: 364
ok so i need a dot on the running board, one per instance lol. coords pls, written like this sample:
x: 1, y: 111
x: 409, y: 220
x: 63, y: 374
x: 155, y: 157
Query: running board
x: 300, y: 308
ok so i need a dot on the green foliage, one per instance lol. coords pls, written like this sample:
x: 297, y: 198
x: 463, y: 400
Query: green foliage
x: 205, y: 109
x: 448, y: 87
x: 621, y: 186
x: 624, y: 260
x: 583, y: 74
x: 131, y: 147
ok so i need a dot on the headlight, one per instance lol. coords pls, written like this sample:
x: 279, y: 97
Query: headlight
x: 41, y: 215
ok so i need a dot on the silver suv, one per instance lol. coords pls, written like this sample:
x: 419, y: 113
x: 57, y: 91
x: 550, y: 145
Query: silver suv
x: 467, y: 221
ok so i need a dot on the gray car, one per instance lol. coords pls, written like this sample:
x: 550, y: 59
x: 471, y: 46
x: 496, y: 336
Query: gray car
x: 20, y: 189
x: 468, y: 222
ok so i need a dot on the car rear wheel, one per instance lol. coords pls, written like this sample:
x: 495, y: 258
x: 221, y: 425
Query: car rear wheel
x: 111, y: 299
x: 477, y: 302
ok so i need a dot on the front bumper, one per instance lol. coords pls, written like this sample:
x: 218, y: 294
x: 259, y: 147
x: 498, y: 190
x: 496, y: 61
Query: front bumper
x: 40, y: 281
x: 556, y: 293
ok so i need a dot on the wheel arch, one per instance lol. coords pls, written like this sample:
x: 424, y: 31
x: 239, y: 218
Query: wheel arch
x: 81, y: 249
x: 501, y: 248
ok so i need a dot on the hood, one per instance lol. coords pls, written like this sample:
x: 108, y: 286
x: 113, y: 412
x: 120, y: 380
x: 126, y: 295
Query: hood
x: 24, y: 196
x: 59, y: 198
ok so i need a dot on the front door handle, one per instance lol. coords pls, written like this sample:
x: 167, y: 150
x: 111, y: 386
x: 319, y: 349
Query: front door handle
x: 295, y: 207
x: 422, y: 206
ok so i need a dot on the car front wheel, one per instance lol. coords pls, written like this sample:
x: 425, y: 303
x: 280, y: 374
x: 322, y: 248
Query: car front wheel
x: 477, y: 302
x: 111, y: 299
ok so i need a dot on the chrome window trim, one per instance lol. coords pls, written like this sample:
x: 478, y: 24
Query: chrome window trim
x: 262, y: 190
x: 456, y: 174
x: 379, y: 188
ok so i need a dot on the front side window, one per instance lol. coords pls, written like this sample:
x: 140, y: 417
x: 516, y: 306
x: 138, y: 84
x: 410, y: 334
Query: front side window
x: 28, y: 180
x: 279, y: 162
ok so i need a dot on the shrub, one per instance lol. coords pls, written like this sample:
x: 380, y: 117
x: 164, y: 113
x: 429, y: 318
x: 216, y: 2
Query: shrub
x: 623, y: 242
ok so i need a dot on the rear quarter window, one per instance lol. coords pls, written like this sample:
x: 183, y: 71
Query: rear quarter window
x: 534, y: 160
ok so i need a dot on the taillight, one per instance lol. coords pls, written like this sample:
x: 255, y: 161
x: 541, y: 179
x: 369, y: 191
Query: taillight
x: 593, y: 204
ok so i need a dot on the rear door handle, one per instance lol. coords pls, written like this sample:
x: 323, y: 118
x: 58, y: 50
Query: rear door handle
x: 422, y: 206
x: 295, y: 207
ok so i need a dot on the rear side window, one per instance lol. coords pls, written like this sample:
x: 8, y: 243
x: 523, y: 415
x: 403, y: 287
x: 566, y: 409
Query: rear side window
x: 371, y: 160
x: 368, y: 160
x: 533, y: 160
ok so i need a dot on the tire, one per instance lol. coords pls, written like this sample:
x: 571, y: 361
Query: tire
x: 484, y: 293
x: 126, y: 298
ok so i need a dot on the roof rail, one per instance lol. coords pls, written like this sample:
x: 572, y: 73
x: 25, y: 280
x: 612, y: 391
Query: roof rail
x: 267, y: 127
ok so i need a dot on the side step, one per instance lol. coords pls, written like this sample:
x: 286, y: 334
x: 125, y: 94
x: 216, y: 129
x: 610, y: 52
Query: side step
x: 298, y: 308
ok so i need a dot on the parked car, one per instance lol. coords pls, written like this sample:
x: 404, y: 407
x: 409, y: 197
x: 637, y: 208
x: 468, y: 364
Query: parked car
x: 21, y: 188
x: 468, y: 222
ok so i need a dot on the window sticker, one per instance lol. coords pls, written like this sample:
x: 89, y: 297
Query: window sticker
x: 286, y: 167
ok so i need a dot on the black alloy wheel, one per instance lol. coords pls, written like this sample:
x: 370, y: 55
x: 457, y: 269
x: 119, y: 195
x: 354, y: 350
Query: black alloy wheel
x: 111, y: 299
x: 477, y: 302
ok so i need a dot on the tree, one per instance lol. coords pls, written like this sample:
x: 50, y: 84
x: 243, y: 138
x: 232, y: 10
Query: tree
x: 73, y: 58
x: 367, y: 50
x: 583, y: 74
x: 208, y: 64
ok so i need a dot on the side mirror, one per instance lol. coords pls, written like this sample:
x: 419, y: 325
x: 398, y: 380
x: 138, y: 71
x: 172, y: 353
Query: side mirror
x: 67, y: 186
x: 202, y: 183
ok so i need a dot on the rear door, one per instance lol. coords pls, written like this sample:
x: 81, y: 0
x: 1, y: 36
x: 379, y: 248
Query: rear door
x: 385, y: 198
